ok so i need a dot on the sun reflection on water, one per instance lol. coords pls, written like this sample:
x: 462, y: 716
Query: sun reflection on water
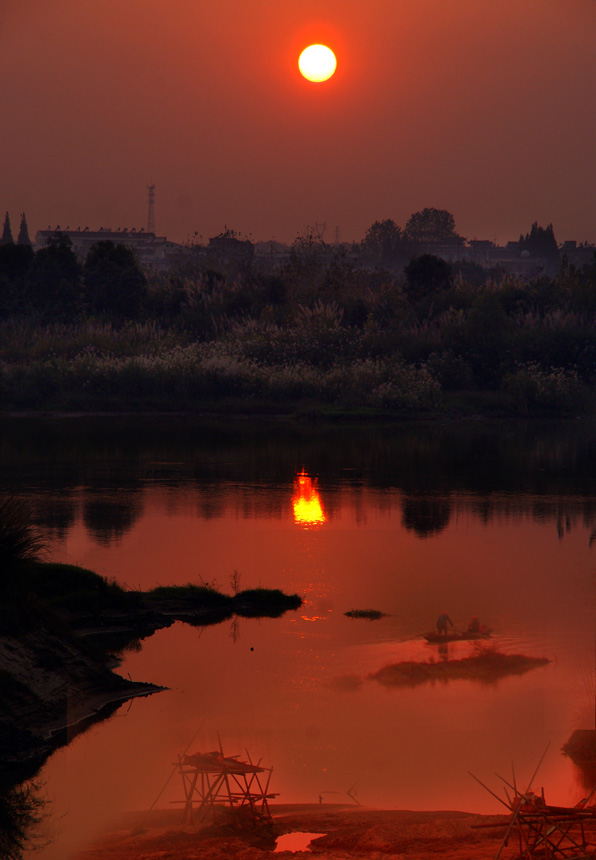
x: 306, y: 501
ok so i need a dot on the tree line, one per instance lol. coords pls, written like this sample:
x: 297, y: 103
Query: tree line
x: 465, y: 327
x: 52, y: 284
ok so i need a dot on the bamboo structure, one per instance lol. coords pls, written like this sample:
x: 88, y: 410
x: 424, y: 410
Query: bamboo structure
x: 544, y: 831
x: 555, y: 832
x: 214, y: 782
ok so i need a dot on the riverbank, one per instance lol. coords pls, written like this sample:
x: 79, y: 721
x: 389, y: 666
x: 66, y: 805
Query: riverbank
x: 349, y: 832
x: 62, y: 629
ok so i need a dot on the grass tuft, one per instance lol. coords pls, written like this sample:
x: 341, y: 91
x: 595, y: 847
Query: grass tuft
x: 264, y: 602
x: 371, y: 614
x: 19, y: 540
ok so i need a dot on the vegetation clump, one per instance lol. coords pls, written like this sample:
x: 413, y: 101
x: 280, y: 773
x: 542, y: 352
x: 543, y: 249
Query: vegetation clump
x: 85, y: 599
x: 20, y: 543
x: 386, y: 328
x: 264, y: 602
x: 487, y: 667
x: 21, y: 809
x: 371, y: 614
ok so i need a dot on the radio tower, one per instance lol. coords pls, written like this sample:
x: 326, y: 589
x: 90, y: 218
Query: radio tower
x: 151, y: 212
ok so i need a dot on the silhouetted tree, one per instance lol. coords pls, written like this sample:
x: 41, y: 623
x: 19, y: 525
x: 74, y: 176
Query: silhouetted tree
x: 15, y: 262
x: 540, y: 241
x: 24, y: 233
x: 309, y: 251
x: 432, y: 226
x: 6, y: 232
x: 53, y: 284
x: 384, y: 243
x: 114, y: 284
x: 425, y: 276
x: 486, y: 338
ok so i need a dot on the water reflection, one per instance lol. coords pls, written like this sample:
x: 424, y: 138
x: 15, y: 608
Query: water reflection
x: 543, y: 471
x: 581, y: 749
x: 482, y: 521
x: 426, y: 516
x: 109, y: 516
x: 485, y: 666
x: 306, y: 501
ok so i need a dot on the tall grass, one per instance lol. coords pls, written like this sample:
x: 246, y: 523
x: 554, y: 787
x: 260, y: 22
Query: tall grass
x: 182, y: 376
x: 19, y: 539
x: 21, y: 810
x: 314, y: 358
x: 26, y: 340
x: 224, y: 342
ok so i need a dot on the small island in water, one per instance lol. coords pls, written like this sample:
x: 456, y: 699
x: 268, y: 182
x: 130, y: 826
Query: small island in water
x: 488, y: 667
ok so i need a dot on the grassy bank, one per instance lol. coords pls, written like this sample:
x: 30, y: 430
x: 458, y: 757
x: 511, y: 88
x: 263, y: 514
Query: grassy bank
x: 261, y: 367
x: 82, y: 600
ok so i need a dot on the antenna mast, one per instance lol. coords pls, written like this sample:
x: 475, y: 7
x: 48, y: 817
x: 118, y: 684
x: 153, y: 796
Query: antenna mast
x: 151, y: 212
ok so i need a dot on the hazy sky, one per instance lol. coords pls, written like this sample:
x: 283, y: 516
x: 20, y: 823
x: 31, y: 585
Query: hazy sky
x: 486, y: 109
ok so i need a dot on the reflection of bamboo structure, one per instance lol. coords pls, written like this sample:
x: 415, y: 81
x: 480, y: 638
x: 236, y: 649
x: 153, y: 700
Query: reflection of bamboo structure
x: 213, y: 781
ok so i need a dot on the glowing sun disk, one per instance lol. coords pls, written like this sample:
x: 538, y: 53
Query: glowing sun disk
x: 317, y: 63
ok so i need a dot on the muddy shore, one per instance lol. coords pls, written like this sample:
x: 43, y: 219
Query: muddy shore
x: 56, y: 668
x: 350, y: 832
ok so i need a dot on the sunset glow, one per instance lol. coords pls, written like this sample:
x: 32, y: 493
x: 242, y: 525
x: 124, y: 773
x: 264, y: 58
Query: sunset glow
x: 308, y: 510
x: 317, y: 63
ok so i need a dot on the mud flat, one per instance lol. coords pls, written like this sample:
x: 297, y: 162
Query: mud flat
x: 350, y: 832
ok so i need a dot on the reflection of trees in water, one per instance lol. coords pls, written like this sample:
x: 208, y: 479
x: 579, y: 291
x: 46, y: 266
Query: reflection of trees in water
x: 54, y: 516
x: 564, y: 513
x: 543, y: 470
x: 108, y: 517
x: 21, y: 810
x: 581, y: 749
x: 425, y: 515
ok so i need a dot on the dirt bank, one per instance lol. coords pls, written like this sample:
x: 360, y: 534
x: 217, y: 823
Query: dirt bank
x: 51, y: 690
x: 56, y: 660
x: 350, y: 832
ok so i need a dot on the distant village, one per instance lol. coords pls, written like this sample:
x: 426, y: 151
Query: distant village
x: 159, y: 253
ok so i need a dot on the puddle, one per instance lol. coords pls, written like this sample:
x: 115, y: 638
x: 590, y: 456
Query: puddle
x: 295, y: 841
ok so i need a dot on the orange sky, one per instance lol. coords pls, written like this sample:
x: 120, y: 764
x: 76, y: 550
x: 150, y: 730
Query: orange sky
x: 485, y: 109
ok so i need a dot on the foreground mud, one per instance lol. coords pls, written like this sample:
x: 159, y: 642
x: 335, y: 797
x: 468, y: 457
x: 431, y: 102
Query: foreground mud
x: 350, y: 832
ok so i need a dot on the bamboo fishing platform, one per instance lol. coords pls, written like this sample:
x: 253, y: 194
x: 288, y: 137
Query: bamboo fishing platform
x: 543, y: 831
x: 552, y: 831
x: 213, y: 783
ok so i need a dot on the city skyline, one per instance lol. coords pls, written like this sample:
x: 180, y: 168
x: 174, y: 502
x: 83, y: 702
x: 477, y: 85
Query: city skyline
x: 479, y: 109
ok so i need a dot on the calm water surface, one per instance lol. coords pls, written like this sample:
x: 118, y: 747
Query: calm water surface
x: 495, y: 525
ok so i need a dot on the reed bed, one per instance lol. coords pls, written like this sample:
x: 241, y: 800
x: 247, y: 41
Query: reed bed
x: 188, y: 374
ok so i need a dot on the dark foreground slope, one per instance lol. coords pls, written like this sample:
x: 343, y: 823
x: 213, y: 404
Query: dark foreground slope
x: 62, y: 629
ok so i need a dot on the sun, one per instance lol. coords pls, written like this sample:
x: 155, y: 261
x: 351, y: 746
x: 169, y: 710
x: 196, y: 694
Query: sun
x: 317, y: 63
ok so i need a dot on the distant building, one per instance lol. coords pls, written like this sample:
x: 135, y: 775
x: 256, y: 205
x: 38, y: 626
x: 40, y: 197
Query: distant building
x: 271, y: 256
x: 151, y: 251
x: 509, y: 258
x: 578, y: 255
x: 226, y: 249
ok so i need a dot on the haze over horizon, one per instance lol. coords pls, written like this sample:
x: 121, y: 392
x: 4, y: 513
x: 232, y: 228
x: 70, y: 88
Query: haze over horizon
x: 482, y: 109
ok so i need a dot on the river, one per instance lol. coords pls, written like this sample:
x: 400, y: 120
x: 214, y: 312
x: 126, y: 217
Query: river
x: 493, y: 522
